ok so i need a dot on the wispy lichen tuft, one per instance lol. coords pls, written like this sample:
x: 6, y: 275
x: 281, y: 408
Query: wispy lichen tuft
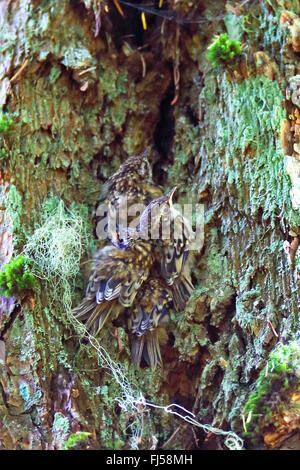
x: 56, y: 248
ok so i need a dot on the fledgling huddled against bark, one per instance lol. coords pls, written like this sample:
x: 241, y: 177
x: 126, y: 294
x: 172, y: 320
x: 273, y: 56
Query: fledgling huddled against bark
x: 147, y: 320
x: 131, y: 185
x: 140, y: 272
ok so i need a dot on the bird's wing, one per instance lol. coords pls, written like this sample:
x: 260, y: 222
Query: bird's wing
x: 175, y: 266
x: 137, y: 348
x: 145, y: 345
x: 116, y: 276
x: 175, y: 251
x: 112, y: 286
x: 160, y: 309
x: 146, y: 317
x: 181, y: 289
x: 138, y: 321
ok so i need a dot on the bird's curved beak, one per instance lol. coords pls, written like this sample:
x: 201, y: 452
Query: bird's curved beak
x: 170, y: 195
x: 146, y: 152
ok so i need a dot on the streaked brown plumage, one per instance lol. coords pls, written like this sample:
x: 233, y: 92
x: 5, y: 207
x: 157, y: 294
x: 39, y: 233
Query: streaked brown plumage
x: 119, y: 271
x: 147, y: 317
x: 137, y: 273
x: 171, y: 254
x: 174, y: 257
x: 182, y: 287
x: 132, y: 184
x: 133, y: 180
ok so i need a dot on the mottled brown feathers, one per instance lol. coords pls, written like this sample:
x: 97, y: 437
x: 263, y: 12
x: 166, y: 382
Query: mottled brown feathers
x: 136, y: 273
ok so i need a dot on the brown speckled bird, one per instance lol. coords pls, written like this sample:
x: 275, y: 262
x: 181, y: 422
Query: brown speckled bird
x: 146, y: 323
x: 174, y: 258
x: 119, y: 271
x: 171, y: 254
x: 139, y: 272
x: 133, y: 180
x: 131, y: 184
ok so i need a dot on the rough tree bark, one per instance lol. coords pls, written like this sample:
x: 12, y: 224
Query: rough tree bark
x: 85, y: 88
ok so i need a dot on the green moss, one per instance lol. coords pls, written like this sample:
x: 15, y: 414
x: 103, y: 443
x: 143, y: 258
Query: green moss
x: 274, y: 388
x: 76, y: 441
x: 223, y: 51
x: 184, y: 149
x: 117, y: 444
x: 209, y: 92
x: 16, y: 278
x: 113, y: 83
x: 55, y: 73
x: 75, y: 56
x: 5, y: 124
x: 241, y: 144
x: 292, y: 5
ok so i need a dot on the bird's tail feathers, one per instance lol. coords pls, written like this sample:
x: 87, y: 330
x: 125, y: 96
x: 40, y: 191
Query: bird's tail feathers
x: 152, y: 354
x: 137, y: 347
x: 93, y: 315
x: 147, y: 347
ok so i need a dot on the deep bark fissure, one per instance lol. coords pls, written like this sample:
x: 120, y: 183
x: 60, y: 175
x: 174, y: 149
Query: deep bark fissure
x: 164, y: 135
x: 14, y: 314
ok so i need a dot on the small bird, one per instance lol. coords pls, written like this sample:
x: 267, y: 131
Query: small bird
x: 139, y: 272
x: 118, y: 273
x: 133, y: 180
x: 146, y: 323
x: 132, y: 184
x: 174, y: 256
x: 119, y: 270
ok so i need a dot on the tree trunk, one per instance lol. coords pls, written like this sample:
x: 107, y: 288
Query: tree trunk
x: 86, y: 87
